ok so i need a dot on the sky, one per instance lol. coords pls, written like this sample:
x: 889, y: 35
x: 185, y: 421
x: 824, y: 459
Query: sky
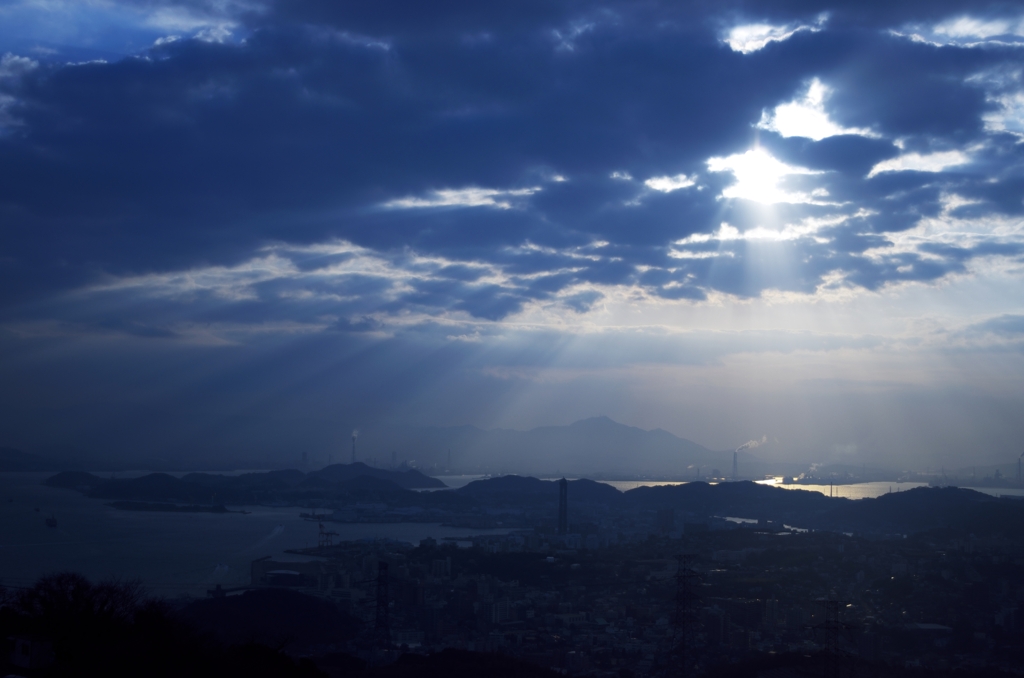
x: 240, y: 226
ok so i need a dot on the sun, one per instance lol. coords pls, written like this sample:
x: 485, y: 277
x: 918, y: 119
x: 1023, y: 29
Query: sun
x: 758, y: 175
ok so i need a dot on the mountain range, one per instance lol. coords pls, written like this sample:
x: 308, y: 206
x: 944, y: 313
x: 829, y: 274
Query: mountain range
x: 595, y: 447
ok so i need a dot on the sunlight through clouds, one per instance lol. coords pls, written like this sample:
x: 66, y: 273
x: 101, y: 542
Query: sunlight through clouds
x: 807, y: 117
x: 726, y: 232
x: 472, y: 176
x: 758, y: 175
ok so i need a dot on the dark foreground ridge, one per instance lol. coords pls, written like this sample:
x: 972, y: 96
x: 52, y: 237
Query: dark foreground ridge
x: 929, y: 606
x: 66, y: 626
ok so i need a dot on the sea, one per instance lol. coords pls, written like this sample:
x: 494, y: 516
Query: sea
x: 173, y: 554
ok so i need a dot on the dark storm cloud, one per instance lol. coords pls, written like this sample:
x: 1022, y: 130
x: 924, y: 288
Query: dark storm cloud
x: 357, y: 122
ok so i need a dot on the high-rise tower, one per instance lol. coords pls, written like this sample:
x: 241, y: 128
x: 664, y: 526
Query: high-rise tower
x: 563, y: 506
x: 735, y: 468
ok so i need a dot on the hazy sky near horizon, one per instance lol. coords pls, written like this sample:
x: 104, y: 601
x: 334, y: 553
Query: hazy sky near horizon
x: 253, y: 225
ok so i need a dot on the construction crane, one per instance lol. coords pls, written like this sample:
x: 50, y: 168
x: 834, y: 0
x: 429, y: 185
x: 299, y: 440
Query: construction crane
x: 326, y: 538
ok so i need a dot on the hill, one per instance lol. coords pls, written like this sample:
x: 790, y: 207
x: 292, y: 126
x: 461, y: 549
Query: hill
x: 352, y: 481
x: 922, y: 509
x: 410, y: 479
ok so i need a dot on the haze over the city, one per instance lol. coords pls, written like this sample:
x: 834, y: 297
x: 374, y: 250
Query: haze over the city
x: 242, y: 230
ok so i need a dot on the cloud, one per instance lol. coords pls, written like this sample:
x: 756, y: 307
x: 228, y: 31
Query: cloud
x: 465, y: 197
x: 748, y: 38
x: 69, y: 31
x: 384, y: 176
x: 1009, y: 117
x: 807, y: 117
x: 759, y: 177
x: 667, y: 184
x: 969, y: 31
x: 14, y: 66
x: 307, y: 136
x: 976, y: 28
x: 1008, y: 325
x: 918, y: 162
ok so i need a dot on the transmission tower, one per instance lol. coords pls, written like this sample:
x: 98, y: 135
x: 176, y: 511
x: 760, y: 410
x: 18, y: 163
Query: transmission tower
x: 382, y: 626
x: 687, y: 625
x: 831, y: 627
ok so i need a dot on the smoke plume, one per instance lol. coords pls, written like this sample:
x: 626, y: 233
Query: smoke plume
x: 750, y: 444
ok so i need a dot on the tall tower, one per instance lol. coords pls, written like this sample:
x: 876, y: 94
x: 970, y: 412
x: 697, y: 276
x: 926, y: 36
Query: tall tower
x: 735, y: 468
x: 563, y: 506
x: 353, y: 448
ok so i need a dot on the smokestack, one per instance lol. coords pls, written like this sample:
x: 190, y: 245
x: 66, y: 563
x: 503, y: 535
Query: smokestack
x: 735, y: 468
x: 563, y: 506
x: 353, y: 448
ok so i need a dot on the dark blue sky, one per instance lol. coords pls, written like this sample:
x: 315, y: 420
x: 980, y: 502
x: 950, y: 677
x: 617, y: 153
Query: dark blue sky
x: 248, y: 225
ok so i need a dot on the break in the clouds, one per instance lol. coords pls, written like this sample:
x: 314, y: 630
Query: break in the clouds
x: 213, y: 174
x: 806, y: 117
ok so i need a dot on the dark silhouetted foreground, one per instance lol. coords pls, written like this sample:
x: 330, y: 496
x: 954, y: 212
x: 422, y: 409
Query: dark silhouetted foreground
x: 111, y: 629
